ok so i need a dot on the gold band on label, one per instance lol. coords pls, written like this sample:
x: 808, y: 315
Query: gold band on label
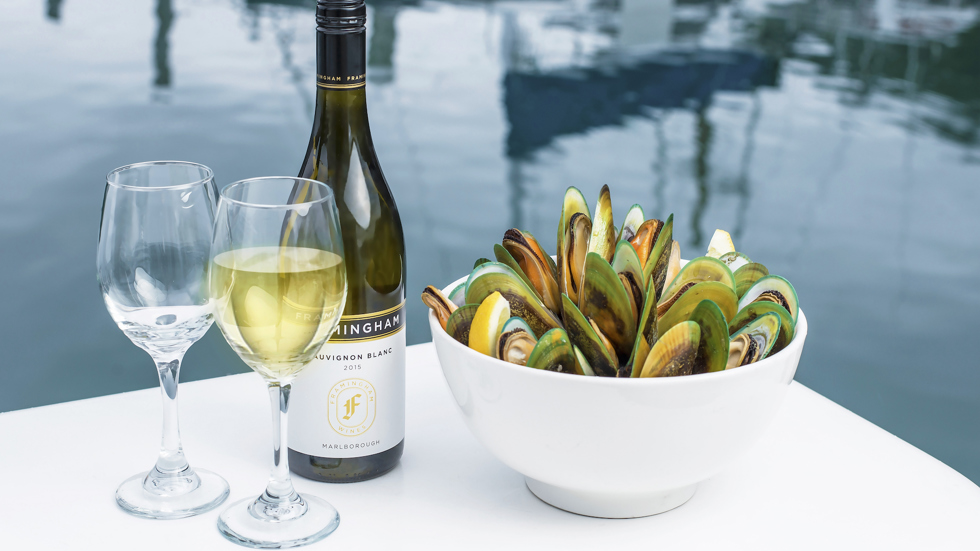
x: 372, y: 314
x: 340, y: 86
x: 368, y: 339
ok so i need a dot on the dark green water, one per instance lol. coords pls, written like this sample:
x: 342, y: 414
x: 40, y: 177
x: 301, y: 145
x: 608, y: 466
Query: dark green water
x: 838, y: 142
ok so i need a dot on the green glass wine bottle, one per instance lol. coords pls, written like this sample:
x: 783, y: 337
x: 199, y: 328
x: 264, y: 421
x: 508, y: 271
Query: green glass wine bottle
x: 347, y: 418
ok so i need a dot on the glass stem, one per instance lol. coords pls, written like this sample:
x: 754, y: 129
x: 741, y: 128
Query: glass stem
x: 280, y: 489
x: 171, y: 458
x: 171, y: 474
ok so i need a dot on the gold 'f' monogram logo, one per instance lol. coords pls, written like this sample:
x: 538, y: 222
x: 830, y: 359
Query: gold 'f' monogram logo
x: 351, y: 405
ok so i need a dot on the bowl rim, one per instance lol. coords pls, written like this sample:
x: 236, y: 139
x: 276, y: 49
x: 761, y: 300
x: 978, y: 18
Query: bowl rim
x: 767, y: 363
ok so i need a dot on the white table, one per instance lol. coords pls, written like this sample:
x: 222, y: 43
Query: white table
x: 822, y: 478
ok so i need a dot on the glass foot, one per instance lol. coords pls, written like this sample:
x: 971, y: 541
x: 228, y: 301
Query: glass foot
x: 301, y: 522
x: 192, y: 493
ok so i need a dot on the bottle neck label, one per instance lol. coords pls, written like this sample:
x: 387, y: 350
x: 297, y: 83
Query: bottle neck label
x: 340, y: 60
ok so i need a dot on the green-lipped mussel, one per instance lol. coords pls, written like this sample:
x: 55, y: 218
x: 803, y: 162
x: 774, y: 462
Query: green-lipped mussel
x: 458, y: 325
x: 439, y: 303
x: 747, y: 275
x: 754, y: 310
x: 713, y: 347
x: 584, y: 336
x: 604, y: 300
x: 553, y: 352
x: 754, y: 341
x: 773, y: 288
x: 674, y: 353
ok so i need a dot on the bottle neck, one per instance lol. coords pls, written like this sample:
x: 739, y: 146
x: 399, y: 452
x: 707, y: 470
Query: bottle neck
x: 340, y: 60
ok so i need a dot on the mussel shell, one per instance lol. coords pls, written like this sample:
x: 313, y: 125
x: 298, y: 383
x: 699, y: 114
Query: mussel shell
x: 721, y: 294
x: 646, y: 332
x: 504, y: 257
x: 529, y: 257
x: 582, y: 335
x: 626, y: 260
x: 703, y: 268
x: 634, y: 293
x: 674, y: 353
x: 747, y: 275
x: 656, y: 266
x: 735, y: 260
x: 646, y: 237
x: 479, y: 262
x: 540, y: 252
x: 713, y: 346
x: 524, y: 302
x: 553, y: 352
x: 752, y: 311
x: 605, y: 342
x: 581, y: 363
x: 603, y: 240
x: 574, y: 202
x: 626, y: 263
x: 571, y: 259
x: 458, y: 295
x: 634, y: 219
x: 774, y: 289
x: 516, y: 323
x: 439, y: 303
x: 547, y: 257
x: 720, y: 244
x: 460, y: 321
x: 741, y: 350
x: 603, y: 299
x: 515, y: 346
x: 673, y: 262
x: 763, y: 333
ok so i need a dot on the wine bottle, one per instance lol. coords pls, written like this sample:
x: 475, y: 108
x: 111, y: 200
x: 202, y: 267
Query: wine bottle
x: 348, y: 412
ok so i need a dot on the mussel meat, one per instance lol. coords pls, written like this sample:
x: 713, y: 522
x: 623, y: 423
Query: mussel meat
x: 531, y: 259
x: 752, y: 311
x: 440, y: 305
x: 603, y: 240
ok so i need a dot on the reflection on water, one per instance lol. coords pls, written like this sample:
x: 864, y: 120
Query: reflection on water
x: 54, y: 9
x: 161, y: 46
x: 381, y: 67
x: 838, y: 141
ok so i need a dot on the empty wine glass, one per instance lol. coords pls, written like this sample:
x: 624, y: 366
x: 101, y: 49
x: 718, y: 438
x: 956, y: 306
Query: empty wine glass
x: 154, y: 251
x: 279, y: 284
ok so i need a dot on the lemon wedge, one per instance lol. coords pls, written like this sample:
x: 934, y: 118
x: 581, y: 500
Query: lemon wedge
x: 721, y: 243
x: 488, y: 321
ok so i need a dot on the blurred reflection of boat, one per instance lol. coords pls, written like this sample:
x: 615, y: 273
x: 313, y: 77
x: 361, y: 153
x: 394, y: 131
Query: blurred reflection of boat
x: 541, y: 106
x: 646, y: 62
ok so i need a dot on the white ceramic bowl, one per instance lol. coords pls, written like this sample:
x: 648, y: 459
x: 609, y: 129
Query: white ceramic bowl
x: 614, y: 448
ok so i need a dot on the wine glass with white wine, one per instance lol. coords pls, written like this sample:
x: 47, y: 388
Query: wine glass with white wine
x: 279, y: 284
x: 154, y: 252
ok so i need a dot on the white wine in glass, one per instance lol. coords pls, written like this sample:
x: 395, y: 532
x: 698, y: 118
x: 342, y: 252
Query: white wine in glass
x: 278, y: 304
x: 279, y: 283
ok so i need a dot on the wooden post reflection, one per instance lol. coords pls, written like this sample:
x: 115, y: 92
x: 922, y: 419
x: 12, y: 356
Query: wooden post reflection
x: 161, y: 44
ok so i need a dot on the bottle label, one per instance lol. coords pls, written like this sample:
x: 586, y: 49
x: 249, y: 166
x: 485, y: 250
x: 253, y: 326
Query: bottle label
x: 350, y: 400
x: 340, y: 61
